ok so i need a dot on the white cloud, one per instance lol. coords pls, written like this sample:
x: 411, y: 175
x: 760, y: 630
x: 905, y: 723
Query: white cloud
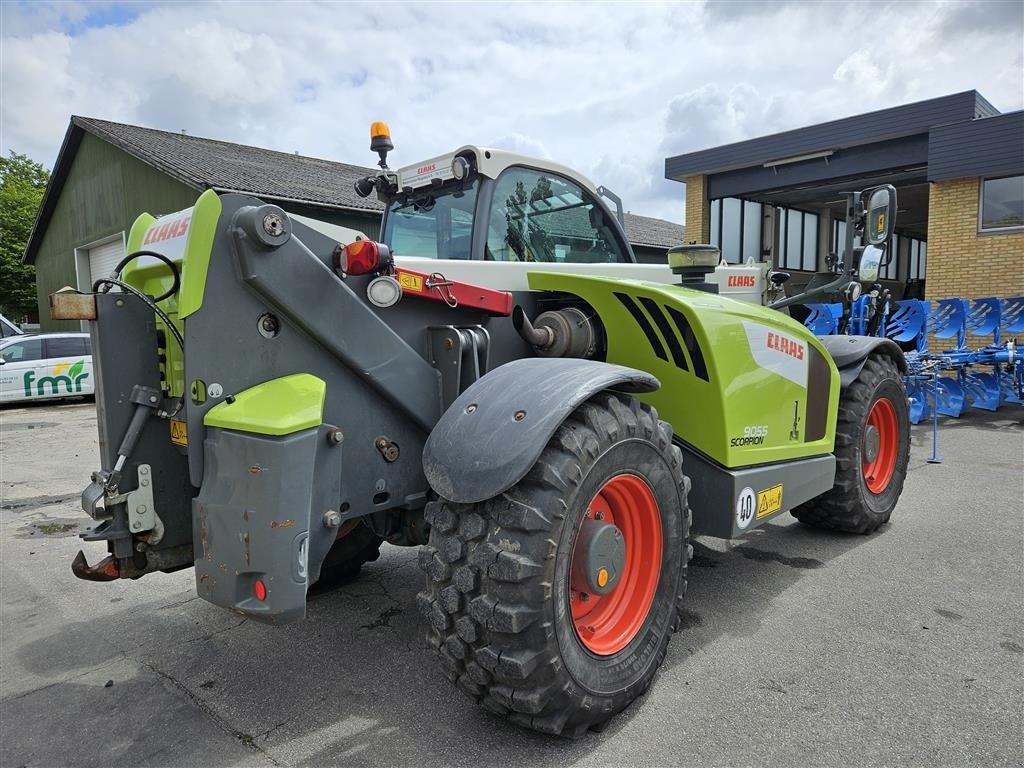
x: 610, y: 89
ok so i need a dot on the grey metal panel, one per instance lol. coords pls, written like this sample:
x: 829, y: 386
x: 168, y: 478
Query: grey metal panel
x: 895, y: 122
x: 124, y: 354
x: 910, y: 151
x: 715, y: 489
x: 260, y: 515
x: 991, y: 146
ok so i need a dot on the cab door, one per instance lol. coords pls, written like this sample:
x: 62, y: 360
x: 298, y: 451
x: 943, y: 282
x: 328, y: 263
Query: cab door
x: 21, y: 365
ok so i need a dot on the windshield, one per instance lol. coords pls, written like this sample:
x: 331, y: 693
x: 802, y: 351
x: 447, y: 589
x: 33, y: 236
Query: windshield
x: 433, y: 226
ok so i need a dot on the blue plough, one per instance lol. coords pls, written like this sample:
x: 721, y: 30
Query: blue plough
x: 957, y: 378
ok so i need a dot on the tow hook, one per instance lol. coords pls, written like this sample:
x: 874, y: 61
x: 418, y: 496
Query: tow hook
x: 105, y: 570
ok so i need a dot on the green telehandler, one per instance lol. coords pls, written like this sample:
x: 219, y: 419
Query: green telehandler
x: 497, y: 382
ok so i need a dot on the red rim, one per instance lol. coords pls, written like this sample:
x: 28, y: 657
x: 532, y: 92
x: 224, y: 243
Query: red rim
x: 605, y: 624
x: 878, y: 472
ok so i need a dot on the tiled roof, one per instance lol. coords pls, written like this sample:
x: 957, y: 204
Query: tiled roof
x: 656, y: 233
x: 264, y: 172
x: 207, y: 163
x: 210, y: 164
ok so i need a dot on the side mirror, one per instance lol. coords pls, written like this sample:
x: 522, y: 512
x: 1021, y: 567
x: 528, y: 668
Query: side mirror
x: 880, y: 214
x: 870, y: 262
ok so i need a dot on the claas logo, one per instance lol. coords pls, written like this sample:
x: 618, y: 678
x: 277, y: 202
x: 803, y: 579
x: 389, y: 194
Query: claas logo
x: 785, y: 345
x: 167, y: 231
x: 740, y: 281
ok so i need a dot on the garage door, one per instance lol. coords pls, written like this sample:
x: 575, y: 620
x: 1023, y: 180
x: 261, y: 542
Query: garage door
x: 103, y: 259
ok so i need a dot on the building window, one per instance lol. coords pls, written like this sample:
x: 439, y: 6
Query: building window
x: 917, y: 253
x: 736, y: 228
x: 1002, y: 204
x: 798, y: 239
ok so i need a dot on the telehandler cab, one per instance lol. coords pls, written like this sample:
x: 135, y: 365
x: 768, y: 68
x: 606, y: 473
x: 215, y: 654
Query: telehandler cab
x: 498, y: 382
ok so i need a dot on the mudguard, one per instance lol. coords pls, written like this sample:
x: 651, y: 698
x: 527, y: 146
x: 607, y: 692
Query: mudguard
x: 850, y: 352
x: 495, y: 431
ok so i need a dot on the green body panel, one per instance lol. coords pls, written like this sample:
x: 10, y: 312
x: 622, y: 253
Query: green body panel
x: 746, y: 412
x: 198, y: 247
x: 276, y: 407
x: 192, y: 255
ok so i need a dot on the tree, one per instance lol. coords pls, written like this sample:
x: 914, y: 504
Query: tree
x: 22, y: 182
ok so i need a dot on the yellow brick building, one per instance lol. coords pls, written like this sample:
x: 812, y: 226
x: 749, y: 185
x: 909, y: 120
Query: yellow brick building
x: 958, y: 167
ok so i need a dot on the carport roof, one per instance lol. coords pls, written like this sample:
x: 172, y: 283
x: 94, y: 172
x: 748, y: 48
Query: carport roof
x: 882, y: 125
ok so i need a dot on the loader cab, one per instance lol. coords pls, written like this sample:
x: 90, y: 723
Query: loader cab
x: 503, y: 208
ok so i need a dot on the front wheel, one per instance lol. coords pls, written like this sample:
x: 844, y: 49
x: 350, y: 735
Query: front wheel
x: 872, y: 452
x: 553, y: 603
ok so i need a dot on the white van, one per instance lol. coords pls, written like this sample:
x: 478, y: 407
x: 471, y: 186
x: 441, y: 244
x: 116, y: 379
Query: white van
x: 45, y: 366
x: 7, y: 328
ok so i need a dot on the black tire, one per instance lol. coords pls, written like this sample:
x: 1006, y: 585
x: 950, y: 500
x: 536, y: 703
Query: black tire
x: 347, y: 555
x: 851, y: 505
x: 497, y: 595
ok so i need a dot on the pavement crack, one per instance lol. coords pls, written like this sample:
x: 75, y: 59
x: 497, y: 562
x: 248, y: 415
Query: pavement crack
x: 175, y: 605
x: 245, y: 738
x: 218, y: 632
x: 64, y: 681
x: 32, y: 502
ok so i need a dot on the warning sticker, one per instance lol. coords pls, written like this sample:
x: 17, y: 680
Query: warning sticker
x: 179, y: 432
x: 746, y: 506
x: 409, y: 281
x: 769, y: 500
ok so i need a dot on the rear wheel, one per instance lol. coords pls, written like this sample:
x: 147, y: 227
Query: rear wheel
x: 872, y: 452
x: 356, y: 544
x: 553, y: 603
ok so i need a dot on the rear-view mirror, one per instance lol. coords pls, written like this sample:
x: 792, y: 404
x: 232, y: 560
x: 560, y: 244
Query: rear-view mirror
x: 870, y: 261
x: 880, y: 214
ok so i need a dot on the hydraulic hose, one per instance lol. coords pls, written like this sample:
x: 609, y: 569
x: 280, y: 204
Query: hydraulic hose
x: 116, y: 274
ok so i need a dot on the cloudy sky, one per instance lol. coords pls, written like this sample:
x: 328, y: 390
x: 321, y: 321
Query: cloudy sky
x: 610, y: 89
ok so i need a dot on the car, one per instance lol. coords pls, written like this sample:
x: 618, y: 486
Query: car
x: 7, y: 328
x: 45, y: 366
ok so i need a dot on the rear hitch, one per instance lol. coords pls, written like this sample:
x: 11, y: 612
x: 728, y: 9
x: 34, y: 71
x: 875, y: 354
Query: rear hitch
x: 105, y: 570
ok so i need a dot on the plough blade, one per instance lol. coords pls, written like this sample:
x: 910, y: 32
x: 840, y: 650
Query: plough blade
x: 920, y: 405
x: 1009, y: 388
x: 949, y: 320
x: 983, y: 390
x: 907, y: 323
x: 1012, y: 311
x: 951, y: 397
x: 984, y: 318
x: 823, y: 319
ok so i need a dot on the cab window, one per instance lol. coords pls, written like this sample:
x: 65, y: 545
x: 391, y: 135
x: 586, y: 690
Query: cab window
x: 433, y: 224
x: 538, y: 216
x: 23, y: 351
x: 69, y: 346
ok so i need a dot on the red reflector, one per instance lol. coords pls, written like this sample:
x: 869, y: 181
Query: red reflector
x: 360, y: 258
x: 260, y: 590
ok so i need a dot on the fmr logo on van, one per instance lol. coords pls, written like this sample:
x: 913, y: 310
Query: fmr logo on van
x: 71, y: 380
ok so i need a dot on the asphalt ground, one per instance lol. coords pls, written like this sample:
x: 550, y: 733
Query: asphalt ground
x: 799, y: 647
